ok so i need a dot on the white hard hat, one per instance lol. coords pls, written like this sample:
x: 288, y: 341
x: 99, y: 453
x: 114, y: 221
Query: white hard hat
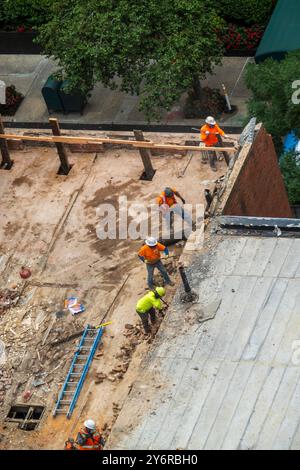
x: 90, y: 424
x: 151, y: 241
x: 210, y: 120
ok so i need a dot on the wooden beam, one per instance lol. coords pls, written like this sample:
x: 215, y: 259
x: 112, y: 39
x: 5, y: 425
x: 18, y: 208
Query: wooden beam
x: 146, y: 159
x: 95, y: 140
x: 65, y: 166
x: 6, y: 163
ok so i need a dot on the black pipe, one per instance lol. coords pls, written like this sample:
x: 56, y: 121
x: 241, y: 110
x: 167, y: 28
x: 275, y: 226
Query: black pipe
x: 184, y: 279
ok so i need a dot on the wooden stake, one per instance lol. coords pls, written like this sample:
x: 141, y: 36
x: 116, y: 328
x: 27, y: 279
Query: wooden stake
x: 65, y: 166
x: 149, y: 170
x: 225, y: 154
x: 6, y: 163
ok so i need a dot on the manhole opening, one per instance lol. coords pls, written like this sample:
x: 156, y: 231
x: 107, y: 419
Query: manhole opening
x: 27, y: 416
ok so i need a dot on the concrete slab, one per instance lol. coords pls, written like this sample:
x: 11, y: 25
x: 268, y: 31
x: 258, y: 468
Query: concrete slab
x: 241, y: 385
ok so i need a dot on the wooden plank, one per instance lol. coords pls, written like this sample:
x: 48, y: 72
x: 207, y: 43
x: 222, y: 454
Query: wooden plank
x: 261, y: 408
x: 262, y: 256
x: 245, y: 260
x: 95, y: 140
x: 280, y: 323
x: 229, y: 330
x: 153, y: 421
x: 278, y: 409
x: 265, y: 319
x: 292, y: 261
x: 289, y: 425
x: 245, y: 407
x: 228, y: 406
x: 279, y: 255
x: 178, y: 404
x: 212, y: 405
x: 259, y: 293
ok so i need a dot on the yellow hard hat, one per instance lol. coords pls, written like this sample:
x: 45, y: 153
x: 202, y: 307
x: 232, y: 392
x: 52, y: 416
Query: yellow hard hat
x: 160, y: 291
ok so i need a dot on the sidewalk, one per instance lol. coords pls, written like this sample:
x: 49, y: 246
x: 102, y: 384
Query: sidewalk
x: 29, y: 73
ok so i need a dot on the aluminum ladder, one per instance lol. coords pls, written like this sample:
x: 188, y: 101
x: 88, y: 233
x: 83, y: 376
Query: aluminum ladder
x: 81, y: 362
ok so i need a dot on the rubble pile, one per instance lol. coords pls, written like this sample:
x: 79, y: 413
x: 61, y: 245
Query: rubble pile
x: 31, y: 365
x: 5, y: 383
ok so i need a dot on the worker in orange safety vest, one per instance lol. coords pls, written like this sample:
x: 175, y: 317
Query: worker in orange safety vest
x: 167, y: 204
x: 210, y: 135
x: 89, y: 438
x: 150, y: 255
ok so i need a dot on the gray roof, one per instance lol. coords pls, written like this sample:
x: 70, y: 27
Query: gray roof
x: 232, y: 382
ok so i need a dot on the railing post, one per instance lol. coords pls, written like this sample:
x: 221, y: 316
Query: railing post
x: 225, y: 154
x: 65, y: 166
x: 7, y: 162
x: 149, y: 170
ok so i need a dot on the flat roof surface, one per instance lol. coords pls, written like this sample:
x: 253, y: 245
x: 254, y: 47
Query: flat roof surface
x: 231, y: 382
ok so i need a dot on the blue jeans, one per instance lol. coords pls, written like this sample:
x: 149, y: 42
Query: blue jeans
x: 162, y: 270
x: 179, y: 210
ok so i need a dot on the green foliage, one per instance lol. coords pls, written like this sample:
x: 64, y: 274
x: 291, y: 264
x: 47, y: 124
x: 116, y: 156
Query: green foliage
x: 246, y: 11
x: 271, y: 85
x: 290, y: 168
x: 30, y: 13
x: 149, y: 47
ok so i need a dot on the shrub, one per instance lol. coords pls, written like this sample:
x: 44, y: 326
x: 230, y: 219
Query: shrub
x: 241, y: 37
x: 290, y: 168
x: 246, y: 11
x: 212, y: 102
x: 13, y: 101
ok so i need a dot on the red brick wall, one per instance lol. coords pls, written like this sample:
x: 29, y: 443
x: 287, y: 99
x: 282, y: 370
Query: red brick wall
x: 259, y: 188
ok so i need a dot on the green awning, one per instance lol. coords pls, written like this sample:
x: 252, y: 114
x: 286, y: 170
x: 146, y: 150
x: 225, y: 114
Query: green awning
x: 283, y: 32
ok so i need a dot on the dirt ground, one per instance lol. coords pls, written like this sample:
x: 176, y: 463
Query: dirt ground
x: 48, y: 223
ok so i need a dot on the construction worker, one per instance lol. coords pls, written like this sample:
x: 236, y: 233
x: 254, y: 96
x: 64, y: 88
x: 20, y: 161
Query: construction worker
x: 210, y: 137
x: 89, y: 437
x: 146, y: 307
x: 167, y: 204
x: 150, y: 254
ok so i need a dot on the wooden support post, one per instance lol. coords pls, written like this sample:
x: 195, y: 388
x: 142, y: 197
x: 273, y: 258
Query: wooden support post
x: 6, y: 163
x: 225, y: 154
x: 149, y: 170
x: 65, y: 166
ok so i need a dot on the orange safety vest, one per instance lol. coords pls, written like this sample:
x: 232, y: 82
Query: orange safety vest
x: 92, y: 442
x: 163, y: 199
x: 210, y: 139
x: 152, y: 255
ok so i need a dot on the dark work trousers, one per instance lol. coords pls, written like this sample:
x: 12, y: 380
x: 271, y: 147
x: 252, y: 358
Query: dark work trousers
x: 212, y: 156
x: 145, y: 319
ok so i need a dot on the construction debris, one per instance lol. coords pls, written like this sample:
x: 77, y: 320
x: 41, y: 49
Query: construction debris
x: 8, y: 298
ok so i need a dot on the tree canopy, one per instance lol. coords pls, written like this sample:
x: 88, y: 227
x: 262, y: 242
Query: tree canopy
x: 157, y: 49
x: 290, y: 168
x: 271, y: 83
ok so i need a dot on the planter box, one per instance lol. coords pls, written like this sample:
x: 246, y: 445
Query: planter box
x: 12, y: 42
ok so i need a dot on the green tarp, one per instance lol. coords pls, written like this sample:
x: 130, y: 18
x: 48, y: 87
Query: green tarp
x: 283, y: 32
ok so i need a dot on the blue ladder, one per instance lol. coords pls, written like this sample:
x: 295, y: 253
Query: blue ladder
x: 68, y: 395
